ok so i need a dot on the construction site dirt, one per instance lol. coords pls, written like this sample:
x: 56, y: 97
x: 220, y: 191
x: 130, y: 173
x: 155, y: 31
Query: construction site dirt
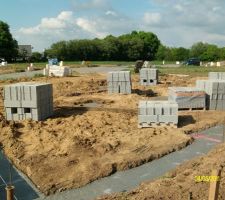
x: 184, y: 182
x: 94, y: 134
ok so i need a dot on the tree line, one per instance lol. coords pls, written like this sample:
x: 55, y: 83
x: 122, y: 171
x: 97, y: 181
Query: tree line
x: 128, y: 47
x: 203, y: 51
x: 137, y: 45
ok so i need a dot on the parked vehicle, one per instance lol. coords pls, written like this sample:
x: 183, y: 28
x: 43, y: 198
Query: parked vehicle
x: 193, y: 61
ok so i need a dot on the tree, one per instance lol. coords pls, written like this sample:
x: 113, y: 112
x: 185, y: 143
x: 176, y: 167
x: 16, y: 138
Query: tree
x: 111, y: 48
x: 180, y: 54
x: 134, y: 46
x: 58, y: 50
x: 163, y: 53
x: 36, y: 57
x: 8, y: 45
x: 198, y: 49
x: 151, y: 44
x: 222, y: 53
x: 211, y: 53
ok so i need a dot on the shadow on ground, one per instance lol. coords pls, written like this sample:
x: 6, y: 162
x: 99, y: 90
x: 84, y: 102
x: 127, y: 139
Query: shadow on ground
x: 185, y: 120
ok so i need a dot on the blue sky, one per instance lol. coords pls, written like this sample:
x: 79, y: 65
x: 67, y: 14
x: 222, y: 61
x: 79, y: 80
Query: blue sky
x: 176, y: 22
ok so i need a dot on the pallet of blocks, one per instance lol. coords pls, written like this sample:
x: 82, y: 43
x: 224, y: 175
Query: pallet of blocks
x: 216, y: 75
x: 28, y: 101
x: 215, y: 93
x: 55, y: 70
x: 188, y: 97
x: 148, y: 76
x: 119, y: 82
x: 157, y: 113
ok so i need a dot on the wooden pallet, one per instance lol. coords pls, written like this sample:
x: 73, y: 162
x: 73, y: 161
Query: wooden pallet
x: 156, y: 125
x: 191, y: 109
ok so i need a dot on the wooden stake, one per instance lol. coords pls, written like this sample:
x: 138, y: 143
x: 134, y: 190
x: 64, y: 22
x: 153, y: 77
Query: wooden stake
x: 224, y: 129
x: 190, y: 196
x: 214, y: 186
x: 9, y: 192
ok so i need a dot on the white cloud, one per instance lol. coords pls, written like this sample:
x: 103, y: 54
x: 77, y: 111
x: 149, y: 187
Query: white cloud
x: 110, y: 12
x: 59, y: 22
x: 187, y: 21
x: 179, y: 8
x: 180, y: 24
x: 152, y: 18
x: 90, y: 26
x: 66, y: 26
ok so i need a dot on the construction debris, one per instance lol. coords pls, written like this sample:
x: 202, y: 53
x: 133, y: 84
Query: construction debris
x: 138, y: 65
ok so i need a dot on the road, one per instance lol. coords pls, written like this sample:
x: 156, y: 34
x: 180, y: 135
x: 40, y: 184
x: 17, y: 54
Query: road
x: 82, y: 70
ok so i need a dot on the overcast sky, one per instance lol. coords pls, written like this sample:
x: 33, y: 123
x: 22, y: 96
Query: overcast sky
x: 176, y: 22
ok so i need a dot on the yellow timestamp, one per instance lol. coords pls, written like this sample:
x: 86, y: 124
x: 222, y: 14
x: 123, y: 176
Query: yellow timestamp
x: 207, y: 178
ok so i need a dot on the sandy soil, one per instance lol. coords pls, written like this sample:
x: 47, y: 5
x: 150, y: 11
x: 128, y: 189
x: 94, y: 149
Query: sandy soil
x: 178, y: 183
x: 79, y: 145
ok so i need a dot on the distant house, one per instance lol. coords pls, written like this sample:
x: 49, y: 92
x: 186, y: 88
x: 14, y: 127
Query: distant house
x: 25, y: 52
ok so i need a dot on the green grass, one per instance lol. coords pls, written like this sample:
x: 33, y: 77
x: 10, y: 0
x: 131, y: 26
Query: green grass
x: 23, y: 66
x: 190, y: 70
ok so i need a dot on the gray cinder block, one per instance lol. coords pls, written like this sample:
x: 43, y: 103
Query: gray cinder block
x: 215, y: 90
x: 157, y: 112
x: 119, y: 82
x: 187, y: 97
x: 148, y: 76
x: 28, y: 101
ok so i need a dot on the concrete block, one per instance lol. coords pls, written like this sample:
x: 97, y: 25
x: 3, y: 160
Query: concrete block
x: 29, y: 96
x: 157, y: 112
x: 148, y: 76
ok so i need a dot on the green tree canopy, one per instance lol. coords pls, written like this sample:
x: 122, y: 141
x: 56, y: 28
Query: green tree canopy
x: 8, y: 45
x: 134, y: 46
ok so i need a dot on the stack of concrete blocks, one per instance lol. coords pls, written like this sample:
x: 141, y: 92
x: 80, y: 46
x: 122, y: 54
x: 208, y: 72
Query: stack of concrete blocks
x: 215, y: 93
x: 28, y: 101
x: 55, y: 70
x: 148, y: 76
x: 216, y: 75
x: 119, y: 82
x: 151, y: 113
x: 188, y: 97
